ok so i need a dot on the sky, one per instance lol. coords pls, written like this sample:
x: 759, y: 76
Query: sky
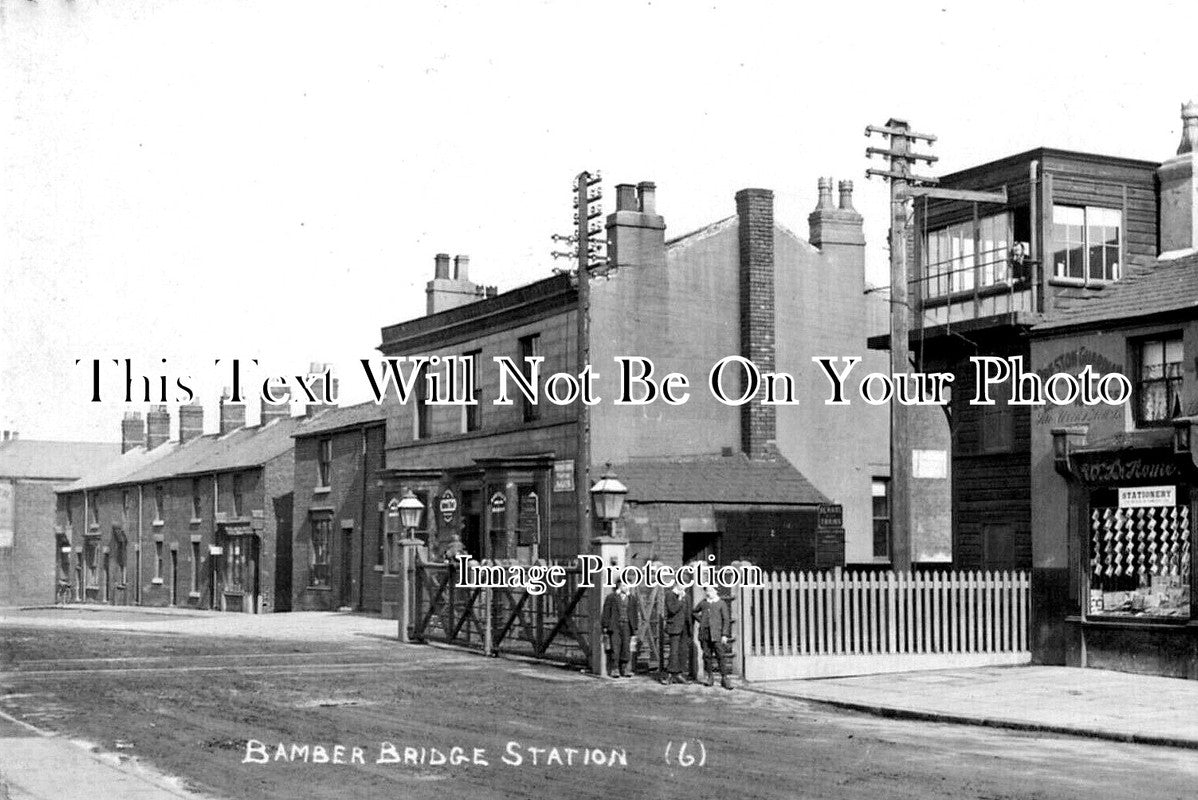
x: 199, y: 180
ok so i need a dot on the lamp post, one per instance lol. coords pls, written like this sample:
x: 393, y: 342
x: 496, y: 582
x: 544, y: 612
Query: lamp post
x: 410, y: 511
x: 607, y: 495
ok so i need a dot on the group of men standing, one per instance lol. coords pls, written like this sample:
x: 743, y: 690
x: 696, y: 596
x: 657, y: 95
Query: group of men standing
x: 622, y: 618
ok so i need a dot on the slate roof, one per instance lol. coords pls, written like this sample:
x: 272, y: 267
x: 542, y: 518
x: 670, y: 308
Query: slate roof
x: 118, y: 470
x: 335, y: 418
x: 33, y: 458
x: 1168, y: 286
x: 716, y: 479
x: 239, y: 449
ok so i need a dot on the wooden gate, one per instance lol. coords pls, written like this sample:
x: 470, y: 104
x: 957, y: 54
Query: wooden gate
x: 824, y: 624
x: 553, y: 625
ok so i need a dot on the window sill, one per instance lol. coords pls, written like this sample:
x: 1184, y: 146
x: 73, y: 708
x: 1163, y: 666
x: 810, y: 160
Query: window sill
x: 1079, y: 283
x: 158, y: 523
x: 320, y: 588
x: 193, y: 595
x: 156, y: 582
x: 378, y: 568
x: 196, y: 521
x: 322, y: 489
x: 1156, y: 623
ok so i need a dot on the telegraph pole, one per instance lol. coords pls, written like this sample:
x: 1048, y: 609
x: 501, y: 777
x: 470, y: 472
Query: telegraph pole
x: 900, y: 157
x: 588, y: 252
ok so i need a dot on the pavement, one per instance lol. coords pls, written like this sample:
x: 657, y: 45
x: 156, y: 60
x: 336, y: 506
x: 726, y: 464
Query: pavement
x: 1101, y: 704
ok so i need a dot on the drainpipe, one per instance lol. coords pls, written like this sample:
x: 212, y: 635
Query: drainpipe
x: 362, y: 525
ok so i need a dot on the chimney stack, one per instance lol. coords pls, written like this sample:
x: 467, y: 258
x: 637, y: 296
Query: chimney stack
x: 445, y: 292
x: 6, y: 436
x: 282, y: 411
x: 158, y: 427
x: 191, y: 422
x: 755, y: 232
x: 133, y: 431
x: 232, y: 415
x: 832, y: 225
x: 319, y: 370
x: 1179, y: 190
x: 636, y: 233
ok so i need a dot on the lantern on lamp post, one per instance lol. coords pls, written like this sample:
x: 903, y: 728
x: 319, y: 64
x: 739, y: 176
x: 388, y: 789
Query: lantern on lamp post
x: 607, y: 495
x: 410, y: 512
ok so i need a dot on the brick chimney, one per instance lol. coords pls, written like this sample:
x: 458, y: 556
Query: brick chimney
x: 191, y: 422
x: 133, y: 431
x: 232, y: 415
x: 1179, y: 190
x: 445, y: 291
x: 755, y: 232
x: 318, y: 370
x: 838, y: 225
x: 158, y: 427
x: 282, y: 411
x: 636, y: 233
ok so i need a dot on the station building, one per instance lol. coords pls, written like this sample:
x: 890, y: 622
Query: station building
x: 704, y: 478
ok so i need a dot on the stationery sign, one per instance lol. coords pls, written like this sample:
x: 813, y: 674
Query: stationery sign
x: 1147, y: 496
x: 563, y: 475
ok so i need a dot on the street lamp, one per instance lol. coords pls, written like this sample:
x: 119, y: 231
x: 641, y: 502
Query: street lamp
x: 410, y: 511
x: 608, y: 497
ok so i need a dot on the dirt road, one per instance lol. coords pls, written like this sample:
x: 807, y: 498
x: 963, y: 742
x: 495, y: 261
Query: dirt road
x: 189, y: 706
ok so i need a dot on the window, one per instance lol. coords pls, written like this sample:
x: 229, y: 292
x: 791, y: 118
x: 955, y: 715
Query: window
x: 235, y: 564
x: 195, y: 567
x: 324, y: 461
x: 422, y: 429
x: 530, y: 347
x: 881, y: 502
x: 197, y: 502
x: 125, y: 508
x: 238, y: 497
x: 472, y: 415
x: 158, y: 561
x: 960, y: 257
x: 94, y: 511
x: 997, y: 430
x: 322, y: 534
x: 1086, y: 242
x: 1158, y: 382
x: 1140, y: 559
x: 159, y: 503
x: 70, y: 515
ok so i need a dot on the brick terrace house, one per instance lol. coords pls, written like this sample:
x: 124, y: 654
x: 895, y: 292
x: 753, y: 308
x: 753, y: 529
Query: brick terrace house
x: 502, y: 479
x: 339, y: 552
x: 983, y: 275
x: 1114, y: 488
x: 30, y: 472
x: 203, y: 522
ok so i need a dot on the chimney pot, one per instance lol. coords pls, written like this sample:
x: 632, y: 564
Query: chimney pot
x: 625, y: 197
x: 232, y: 415
x: 281, y: 411
x: 461, y: 268
x: 846, y: 195
x: 825, y: 193
x: 1189, y: 128
x: 647, y: 190
x: 441, y: 268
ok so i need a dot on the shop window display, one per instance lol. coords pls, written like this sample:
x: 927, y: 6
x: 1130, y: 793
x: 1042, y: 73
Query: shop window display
x: 1140, y: 562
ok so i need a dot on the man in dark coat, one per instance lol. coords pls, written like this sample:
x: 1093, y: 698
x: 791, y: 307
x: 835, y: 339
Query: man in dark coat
x: 715, y: 631
x: 621, y: 619
x: 678, y: 625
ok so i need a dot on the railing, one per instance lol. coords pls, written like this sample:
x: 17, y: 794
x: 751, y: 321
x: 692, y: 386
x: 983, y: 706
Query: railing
x: 863, y: 622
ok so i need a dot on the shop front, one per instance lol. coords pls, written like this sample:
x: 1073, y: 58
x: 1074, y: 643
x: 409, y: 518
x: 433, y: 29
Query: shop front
x: 236, y: 575
x: 1131, y: 505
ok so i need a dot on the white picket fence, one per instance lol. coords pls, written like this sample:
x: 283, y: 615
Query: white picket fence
x: 823, y: 624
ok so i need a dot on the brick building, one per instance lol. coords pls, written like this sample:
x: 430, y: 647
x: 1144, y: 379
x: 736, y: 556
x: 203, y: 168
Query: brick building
x: 30, y: 472
x: 1114, y: 487
x: 339, y: 553
x: 502, y: 479
x: 204, y: 521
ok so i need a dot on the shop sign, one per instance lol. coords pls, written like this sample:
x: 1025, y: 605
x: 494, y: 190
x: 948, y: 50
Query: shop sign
x: 563, y: 475
x: 1147, y: 496
x: 498, y: 503
x: 393, y: 515
x: 1120, y: 469
x: 831, y: 515
x: 530, y: 519
x: 447, y: 505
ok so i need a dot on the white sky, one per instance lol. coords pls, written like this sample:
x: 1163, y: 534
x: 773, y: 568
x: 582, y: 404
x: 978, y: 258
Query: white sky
x: 203, y: 179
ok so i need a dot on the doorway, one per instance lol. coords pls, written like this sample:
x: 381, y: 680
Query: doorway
x: 701, y: 546
x: 472, y: 523
x: 174, y: 577
x: 345, y: 597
